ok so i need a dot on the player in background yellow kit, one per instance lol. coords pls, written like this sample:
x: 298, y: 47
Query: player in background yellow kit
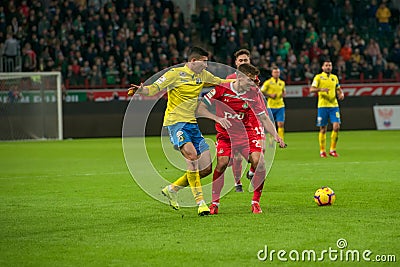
x: 327, y: 86
x: 274, y: 89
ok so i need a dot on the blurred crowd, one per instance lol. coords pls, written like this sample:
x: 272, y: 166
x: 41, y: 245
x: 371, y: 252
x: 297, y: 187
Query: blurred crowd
x: 104, y: 43
x: 361, y: 37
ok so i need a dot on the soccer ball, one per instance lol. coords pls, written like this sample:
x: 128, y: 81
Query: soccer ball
x: 324, y: 196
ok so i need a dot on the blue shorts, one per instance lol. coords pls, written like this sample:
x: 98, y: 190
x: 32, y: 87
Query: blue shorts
x: 279, y: 114
x: 182, y: 132
x: 324, y: 113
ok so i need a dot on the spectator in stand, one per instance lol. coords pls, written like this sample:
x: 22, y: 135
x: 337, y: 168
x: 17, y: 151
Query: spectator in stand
x: 391, y: 71
x: 291, y: 59
x: 353, y: 73
x: 315, y: 52
x: 126, y: 74
x: 394, y: 55
x: 340, y: 67
x: 383, y: 16
x: 336, y: 45
x: 372, y: 51
x: 371, y: 9
x: 347, y: 10
x: 346, y: 51
x: 220, y: 11
x: 356, y: 56
x: 95, y: 77
x: 312, y: 34
x: 205, y: 23
x: 29, y: 60
x: 11, y: 50
x: 315, y: 66
x: 112, y: 73
x: 258, y: 33
x: 366, y: 69
x: 255, y: 56
x: 379, y: 67
x: 358, y: 43
x: 231, y: 47
x: 146, y: 66
x: 299, y: 71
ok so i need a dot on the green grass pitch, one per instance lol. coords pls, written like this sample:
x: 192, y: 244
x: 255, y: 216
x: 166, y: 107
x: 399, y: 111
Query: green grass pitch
x: 74, y: 203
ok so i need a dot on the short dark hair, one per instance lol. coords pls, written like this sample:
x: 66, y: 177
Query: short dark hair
x: 242, y: 52
x: 249, y: 69
x: 325, y: 59
x: 197, y: 52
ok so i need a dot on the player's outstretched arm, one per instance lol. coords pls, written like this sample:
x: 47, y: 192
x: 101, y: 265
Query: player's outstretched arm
x: 270, y: 127
x: 203, y: 111
x: 140, y: 89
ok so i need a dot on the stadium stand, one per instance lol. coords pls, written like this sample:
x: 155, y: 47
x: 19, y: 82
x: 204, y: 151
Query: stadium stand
x: 110, y: 44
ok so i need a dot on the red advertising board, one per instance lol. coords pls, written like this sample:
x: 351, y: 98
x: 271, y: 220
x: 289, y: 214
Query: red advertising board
x: 110, y: 95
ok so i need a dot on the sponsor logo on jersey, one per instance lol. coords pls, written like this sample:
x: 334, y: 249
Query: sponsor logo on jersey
x: 239, y: 116
x: 211, y: 93
x: 161, y: 80
x: 182, y: 74
x: 198, y: 80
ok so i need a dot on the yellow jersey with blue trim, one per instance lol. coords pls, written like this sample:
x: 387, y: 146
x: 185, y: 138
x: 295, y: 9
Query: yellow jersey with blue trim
x: 273, y: 86
x: 184, y: 87
x: 330, y: 81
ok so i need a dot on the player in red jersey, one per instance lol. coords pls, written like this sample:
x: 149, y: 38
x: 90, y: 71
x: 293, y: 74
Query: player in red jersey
x: 234, y: 103
x: 242, y: 56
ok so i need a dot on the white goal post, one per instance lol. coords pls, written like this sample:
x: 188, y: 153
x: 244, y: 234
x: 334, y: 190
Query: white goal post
x: 31, y: 106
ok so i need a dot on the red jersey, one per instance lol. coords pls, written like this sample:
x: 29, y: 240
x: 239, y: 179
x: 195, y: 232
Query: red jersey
x: 238, y: 108
x: 258, y: 129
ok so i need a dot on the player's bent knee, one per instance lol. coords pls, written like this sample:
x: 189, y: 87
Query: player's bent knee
x: 206, y: 171
x: 191, y: 157
x: 221, y: 167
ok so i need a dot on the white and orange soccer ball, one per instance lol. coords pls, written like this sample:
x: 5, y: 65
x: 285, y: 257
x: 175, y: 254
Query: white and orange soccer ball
x: 324, y: 196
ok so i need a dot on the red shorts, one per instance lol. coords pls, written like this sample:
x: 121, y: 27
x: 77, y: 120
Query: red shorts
x: 226, y: 148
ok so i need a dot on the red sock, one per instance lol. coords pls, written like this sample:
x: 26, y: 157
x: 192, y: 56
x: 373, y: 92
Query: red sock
x: 252, y: 169
x: 258, y: 183
x: 217, y: 184
x: 237, y: 170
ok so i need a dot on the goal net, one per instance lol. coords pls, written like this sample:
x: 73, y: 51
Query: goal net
x: 30, y: 106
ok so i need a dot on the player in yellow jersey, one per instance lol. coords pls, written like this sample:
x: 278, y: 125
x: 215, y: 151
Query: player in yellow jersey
x: 274, y: 89
x: 184, y: 85
x: 327, y: 86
